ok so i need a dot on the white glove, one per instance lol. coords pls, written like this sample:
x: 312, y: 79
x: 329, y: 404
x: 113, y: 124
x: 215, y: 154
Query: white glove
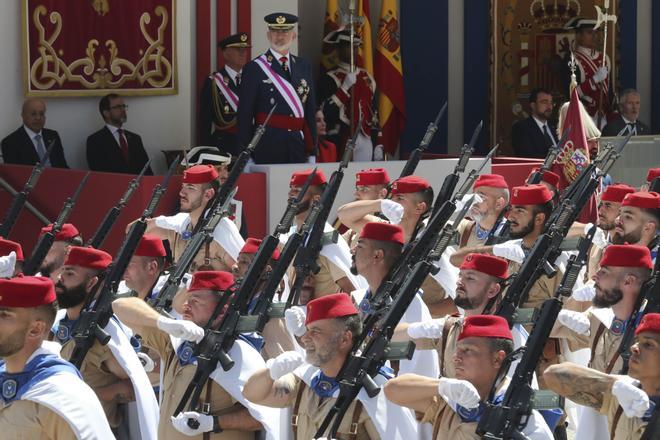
x: 7, y: 264
x: 584, y: 293
x: 295, y: 320
x: 600, y: 75
x: 460, y: 204
x: 284, y: 363
x: 460, y: 391
x: 146, y: 362
x: 576, y: 321
x: 180, y: 423
x: 172, y: 222
x: 379, y: 153
x: 431, y: 328
x: 633, y: 401
x: 392, y: 210
x: 187, y: 330
x: 599, y: 240
x: 349, y: 81
x: 311, y: 159
x: 510, y: 250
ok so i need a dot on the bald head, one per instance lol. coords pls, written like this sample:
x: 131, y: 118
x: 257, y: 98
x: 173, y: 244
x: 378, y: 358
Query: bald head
x: 34, y: 114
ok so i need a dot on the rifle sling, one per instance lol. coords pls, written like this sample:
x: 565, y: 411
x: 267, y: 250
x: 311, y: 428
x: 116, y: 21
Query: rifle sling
x: 449, y: 323
x: 465, y: 236
x: 594, y: 344
x: 615, y: 420
x: 357, y: 412
x: 209, y: 387
x: 436, y: 422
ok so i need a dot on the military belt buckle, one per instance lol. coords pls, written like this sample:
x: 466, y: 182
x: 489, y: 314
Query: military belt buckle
x: 354, y: 429
x: 294, y: 420
x: 206, y: 408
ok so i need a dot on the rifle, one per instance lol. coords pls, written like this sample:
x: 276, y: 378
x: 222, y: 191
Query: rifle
x: 548, y: 245
x: 97, y: 310
x: 416, y: 155
x: 550, y: 158
x: 507, y: 419
x: 46, y: 240
x: 372, y: 347
x: 227, y: 188
x: 21, y: 198
x: 111, y: 217
x: 305, y: 261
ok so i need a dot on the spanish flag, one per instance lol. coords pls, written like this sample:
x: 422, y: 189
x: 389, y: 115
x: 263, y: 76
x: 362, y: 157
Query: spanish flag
x: 336, y: 18
x: 389, y: 77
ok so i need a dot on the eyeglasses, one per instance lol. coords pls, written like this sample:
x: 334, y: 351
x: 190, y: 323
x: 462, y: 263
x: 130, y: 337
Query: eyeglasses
x: 119, y: 106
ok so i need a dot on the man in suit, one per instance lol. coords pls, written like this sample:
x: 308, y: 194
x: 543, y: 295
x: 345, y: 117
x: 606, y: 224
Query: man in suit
x: 533, y: 136
x: 113, y: 149
x: 279, y: 78
x: 219, y: 97
x: 627, y: 120
x: 28, y: 144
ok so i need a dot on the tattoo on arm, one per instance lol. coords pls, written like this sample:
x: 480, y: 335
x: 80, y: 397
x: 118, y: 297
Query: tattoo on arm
x: 583, y: 389
x: 281, y: 389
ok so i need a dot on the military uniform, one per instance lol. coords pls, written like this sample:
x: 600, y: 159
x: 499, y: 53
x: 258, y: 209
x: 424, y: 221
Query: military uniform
x: 621, y: 427
x: 29, y: 420
x: 211, y: 256
x: 175, y: 380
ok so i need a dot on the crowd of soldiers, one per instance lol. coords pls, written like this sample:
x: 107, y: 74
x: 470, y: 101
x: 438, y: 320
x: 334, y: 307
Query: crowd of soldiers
x: 484, y: 311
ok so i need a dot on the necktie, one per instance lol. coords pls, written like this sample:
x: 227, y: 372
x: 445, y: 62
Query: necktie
x: 546, y: 132
x: 238, y: 79
x: 123, y: 144
x: 285, y: 67
x: 41, y: 149
x: 632, y: 127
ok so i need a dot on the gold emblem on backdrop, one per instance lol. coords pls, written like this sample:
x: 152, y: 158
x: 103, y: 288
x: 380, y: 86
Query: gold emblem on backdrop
x: 529, y: 46
x: 103, y: 65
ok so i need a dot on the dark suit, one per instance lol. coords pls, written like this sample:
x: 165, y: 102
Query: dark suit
x: 217, y: 117
x: 258, y: 95
x: 614, y: 127
x: 19, y: 149
x: 104, y: 153
x: 528, y: 140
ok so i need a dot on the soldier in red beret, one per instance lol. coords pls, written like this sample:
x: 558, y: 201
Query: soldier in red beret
x: 493, y: 191
x: 54, y: 260
x: 42, y: 395
x: 307, y: 383
x: 144, y: 268
x: 113, y: 371
x: 639, y: 220
x: 173, y: 339
x: 625, y: 400
x: 453, y: 406
x: 334, y: 259
x: 198, y: 188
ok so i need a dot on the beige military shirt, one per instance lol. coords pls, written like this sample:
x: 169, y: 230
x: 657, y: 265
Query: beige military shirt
x: 26, y: 420
x: 626, y: 428
x: 325, y: 279
x: 175, y: 381
x: 605, y: 348
x: 447, y: 425
x: 351, y: 238
x: 95, y: 373
x: 451, y: 328
x: 544, y: 287
x: 211, y: 254
x: 311, y: 410
x: 433, y: 293
x: 468, y: 227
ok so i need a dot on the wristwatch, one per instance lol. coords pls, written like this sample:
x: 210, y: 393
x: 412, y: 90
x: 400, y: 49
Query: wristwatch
x: 217, y: 429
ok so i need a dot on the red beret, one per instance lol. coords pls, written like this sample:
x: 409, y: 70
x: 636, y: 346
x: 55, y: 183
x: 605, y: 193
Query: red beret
x: 627, y: 255
x: 150, y: 246
x: 26, y: 292
x: 490, y: 180
x: 530, y: 195
x: 330, y: 306
x: 383, y: 232
x: 409, y: 184
x: 616, y: 192
x: 67, y: 232
x: 200, y: 174
x: 488, y: 264
x: 251, y: 246
x: 649, y: 323
x: 211, y: 280
x: 7, y: 246
x: 548, y: 177
x: 372, y: 176
x: 87, y: 257
x: 652, y: 174
x: 298, y: 178
x: 485, y: 326
x: 646, y: 200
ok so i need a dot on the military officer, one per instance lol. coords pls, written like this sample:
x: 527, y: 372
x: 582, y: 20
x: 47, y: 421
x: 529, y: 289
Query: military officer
x: 219, y: 98
x: 279, y: 78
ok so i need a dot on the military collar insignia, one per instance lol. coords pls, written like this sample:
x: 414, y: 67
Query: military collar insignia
x: 9, y: 389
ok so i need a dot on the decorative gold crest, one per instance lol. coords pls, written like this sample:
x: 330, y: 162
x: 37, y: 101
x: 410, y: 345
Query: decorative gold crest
x: 280, y: 19
x: 244, y: 37
x: 303, y: 90
x: 269, y: 58
x: 101, y: 7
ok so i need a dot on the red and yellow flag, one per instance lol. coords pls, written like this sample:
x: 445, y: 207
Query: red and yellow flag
x: 389, y: 76
x: 335, y: 17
